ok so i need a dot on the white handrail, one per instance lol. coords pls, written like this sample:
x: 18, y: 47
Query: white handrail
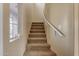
x: 53, y: 27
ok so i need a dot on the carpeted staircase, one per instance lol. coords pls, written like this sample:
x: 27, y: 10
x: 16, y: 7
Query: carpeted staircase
x: 37, y: 42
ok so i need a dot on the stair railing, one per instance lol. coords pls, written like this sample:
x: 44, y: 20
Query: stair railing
x: 53, y: 27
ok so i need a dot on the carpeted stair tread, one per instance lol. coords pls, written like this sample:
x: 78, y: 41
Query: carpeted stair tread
x: 40, y: 53
x: 37, y: 42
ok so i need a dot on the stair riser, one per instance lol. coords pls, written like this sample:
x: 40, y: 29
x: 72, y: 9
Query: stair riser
x: 37, y: 41
x: 38, y: 27
x: 37, y: 23
x: 38, y: 47
x: 37, y: 31
x: 37, y: 35
x: 39, y: 54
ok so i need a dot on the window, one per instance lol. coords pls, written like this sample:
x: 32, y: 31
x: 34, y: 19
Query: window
x: 13, y: 21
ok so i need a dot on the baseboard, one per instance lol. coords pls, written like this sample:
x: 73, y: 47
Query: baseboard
x: 54, y: 51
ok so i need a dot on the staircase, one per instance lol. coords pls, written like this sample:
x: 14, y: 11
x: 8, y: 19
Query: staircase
x: 37, y: 42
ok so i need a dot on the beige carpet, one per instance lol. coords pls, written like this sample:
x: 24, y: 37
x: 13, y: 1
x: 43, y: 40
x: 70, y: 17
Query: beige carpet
x: 37, y: 42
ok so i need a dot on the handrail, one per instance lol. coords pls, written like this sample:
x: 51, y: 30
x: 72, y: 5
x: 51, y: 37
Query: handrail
x: 53, y: 27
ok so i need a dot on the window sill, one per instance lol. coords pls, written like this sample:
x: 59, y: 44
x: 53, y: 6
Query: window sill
x: 13, y: 39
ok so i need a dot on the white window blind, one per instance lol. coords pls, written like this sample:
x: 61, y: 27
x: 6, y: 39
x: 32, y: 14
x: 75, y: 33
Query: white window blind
x: 13, y: 21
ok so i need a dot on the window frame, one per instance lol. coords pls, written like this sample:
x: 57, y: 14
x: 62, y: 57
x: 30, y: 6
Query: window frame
x: 14, y: 37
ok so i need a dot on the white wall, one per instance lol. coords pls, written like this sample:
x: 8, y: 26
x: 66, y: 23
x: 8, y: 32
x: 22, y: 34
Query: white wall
x: 78, y: 30
x: 28, y: 13
x: 76, y: 39
x: 37, y: 12
x: 5, y: 29
x: 60, y: 15
x: 1, y: 29
x: 17, y: 47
